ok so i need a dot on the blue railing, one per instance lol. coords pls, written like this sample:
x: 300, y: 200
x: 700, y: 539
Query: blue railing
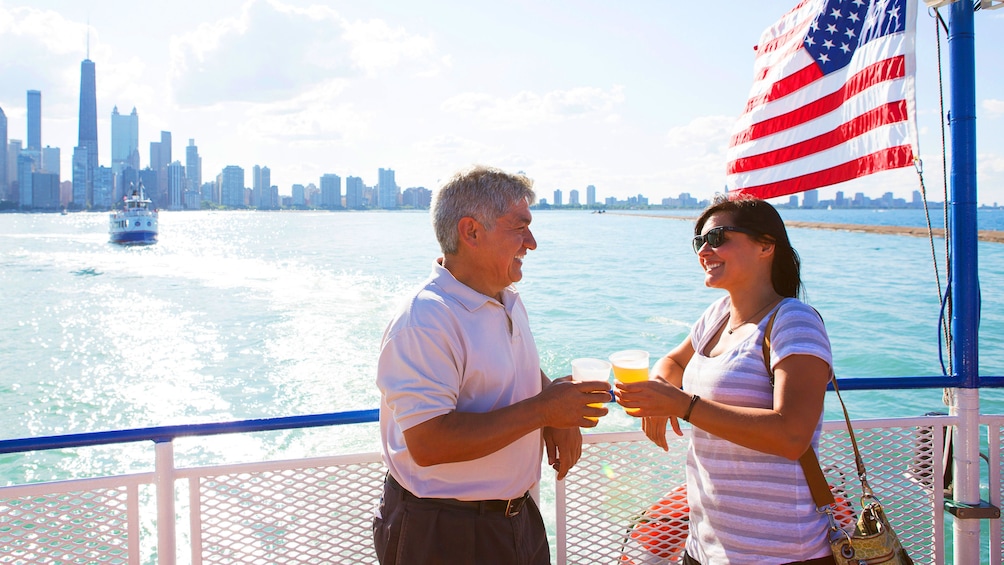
x: 160, y: 434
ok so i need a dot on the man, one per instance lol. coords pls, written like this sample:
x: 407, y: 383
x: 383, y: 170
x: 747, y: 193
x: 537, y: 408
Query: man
x: 464, y: 406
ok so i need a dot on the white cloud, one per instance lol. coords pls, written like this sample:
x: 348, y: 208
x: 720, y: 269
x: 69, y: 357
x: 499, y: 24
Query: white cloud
x: 272, y: 51
x: 994, y: 108
x: 376, y: 46
x: 703, y: 135
x: 527, y: 109
x: 37, y: 47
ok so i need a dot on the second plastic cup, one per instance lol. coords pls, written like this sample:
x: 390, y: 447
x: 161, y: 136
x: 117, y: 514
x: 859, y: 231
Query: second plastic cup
x: 630, y: 365
x: 587, y: 369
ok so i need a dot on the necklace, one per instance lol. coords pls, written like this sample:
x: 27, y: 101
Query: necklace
x: 741, y: 324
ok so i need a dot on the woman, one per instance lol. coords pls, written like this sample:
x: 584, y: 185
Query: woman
x: 749, y: 502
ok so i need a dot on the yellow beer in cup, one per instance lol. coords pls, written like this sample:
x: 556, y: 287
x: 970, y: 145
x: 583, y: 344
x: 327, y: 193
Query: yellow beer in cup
x: 630, y: 366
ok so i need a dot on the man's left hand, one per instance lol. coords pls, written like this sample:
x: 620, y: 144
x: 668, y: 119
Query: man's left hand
x: 564, y: 447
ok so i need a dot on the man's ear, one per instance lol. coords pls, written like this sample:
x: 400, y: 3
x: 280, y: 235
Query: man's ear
x: 469, y: 230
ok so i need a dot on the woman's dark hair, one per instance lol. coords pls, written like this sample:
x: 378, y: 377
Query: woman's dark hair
x: 760, y: 217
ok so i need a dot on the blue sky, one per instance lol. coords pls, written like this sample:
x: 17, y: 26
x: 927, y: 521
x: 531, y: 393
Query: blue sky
x: 634, y: 97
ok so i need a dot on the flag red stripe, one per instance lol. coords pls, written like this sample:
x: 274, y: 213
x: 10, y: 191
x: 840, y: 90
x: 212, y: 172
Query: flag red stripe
x: 888, y: 69
x: 883, y: 115
x: 786, y: 86
x: 890, y: 158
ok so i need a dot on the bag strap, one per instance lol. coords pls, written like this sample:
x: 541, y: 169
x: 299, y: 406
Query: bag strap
x: 821, y: 494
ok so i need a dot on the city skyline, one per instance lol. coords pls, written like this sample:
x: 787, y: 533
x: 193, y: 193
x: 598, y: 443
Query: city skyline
x: 622, y: 98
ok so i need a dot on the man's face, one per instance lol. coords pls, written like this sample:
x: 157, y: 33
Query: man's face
x: 506, y: 245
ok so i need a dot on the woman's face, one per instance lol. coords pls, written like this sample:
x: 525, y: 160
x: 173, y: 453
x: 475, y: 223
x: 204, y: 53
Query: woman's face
x: 733, y: 262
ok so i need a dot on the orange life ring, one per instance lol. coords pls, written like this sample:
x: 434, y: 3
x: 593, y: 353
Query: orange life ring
x: 663, y: 529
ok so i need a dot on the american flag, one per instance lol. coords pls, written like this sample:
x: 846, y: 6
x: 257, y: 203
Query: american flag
x: 832, y: 98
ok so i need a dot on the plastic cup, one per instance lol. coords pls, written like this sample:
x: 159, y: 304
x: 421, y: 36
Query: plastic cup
x: 588, y: 369
x: 630, y: 366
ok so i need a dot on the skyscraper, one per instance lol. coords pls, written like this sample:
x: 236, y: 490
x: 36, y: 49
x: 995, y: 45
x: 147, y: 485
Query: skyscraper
x: 86, y: 163
x: 232, y: 187
x: 590, y: 195
x: 261, y: 188
x: 125, y: 140
x: 387, y: 190
x: 3, y: 156
x: 193, y: 165
x: 353, y: 193
x: 175, y: 186
x: 160, y: 158
x: 331, y: 191
x: 34, y: 120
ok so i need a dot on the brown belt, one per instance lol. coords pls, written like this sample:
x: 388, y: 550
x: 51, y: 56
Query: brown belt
x: 510, y: 507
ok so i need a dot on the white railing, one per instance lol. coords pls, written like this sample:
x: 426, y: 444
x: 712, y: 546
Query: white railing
x: 319, y: 510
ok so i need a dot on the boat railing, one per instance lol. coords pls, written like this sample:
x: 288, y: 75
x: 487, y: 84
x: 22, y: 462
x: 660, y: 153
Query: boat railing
x: 319, y: 509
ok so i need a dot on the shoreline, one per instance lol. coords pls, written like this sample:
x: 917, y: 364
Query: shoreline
x: 991, y: 236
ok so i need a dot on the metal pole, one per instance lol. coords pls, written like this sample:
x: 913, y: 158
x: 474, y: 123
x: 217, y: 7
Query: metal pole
x: 965, y: 288
x: 166, y: 518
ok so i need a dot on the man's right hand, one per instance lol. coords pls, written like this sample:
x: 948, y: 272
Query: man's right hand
x: 566, y: 403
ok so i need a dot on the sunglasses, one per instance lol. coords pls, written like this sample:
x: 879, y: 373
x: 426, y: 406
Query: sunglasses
x: 716, y: 236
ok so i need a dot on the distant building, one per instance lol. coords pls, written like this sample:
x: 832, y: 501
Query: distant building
x: 50, y: 160
x: 45, y: 191
x: 299, y: 195
x: 34, y: 120
x: 125, y: 140
x: 13, y: 150
x: 810, y: 198
x: 4, y: 180
x: 557, y: 198
x: 104, y: 187
x: 590, y: 196
x: 387, y: 190
x: 176, y: 186
x: 85, y: 154
x: 193, y: 166
x: 261, y: 185
x: 209, y: 192
x: 82, y: 179
x: 151, y: 187
x: 573, y: 198
x: 232, y: 187
x: 331, y: 191
x: 25, y: 170
x: 417, y: 197
x: 160, y: 158
x: 353, y: 193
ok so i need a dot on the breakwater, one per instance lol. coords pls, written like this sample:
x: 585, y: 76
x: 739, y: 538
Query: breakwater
x: 993, y: 236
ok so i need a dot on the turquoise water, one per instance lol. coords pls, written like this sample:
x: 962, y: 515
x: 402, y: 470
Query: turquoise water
x: 238, y: 315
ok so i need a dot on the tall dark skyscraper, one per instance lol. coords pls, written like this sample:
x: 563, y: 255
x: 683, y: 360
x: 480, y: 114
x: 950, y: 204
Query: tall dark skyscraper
x: 86, y: 163
x: 34, y: 120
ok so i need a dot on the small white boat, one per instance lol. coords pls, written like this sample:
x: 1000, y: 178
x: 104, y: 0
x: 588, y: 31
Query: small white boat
x: 135, y: 223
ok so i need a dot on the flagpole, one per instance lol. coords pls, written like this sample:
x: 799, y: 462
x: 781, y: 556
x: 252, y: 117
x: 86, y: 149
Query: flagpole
x: 964, y: 273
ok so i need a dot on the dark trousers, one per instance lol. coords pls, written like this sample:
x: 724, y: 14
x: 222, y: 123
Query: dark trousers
x: 828, y: 560
x: 421, y: 531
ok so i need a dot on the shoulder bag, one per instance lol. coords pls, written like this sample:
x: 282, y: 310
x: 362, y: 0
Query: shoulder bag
x: 869, y: 541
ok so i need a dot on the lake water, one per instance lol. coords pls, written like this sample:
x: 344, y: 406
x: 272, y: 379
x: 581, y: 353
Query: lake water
x: 236, y: 315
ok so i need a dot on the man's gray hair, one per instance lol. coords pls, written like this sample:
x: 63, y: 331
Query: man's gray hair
x: 479, y: 192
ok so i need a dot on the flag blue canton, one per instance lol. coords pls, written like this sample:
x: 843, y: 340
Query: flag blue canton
x: 843, y: 25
